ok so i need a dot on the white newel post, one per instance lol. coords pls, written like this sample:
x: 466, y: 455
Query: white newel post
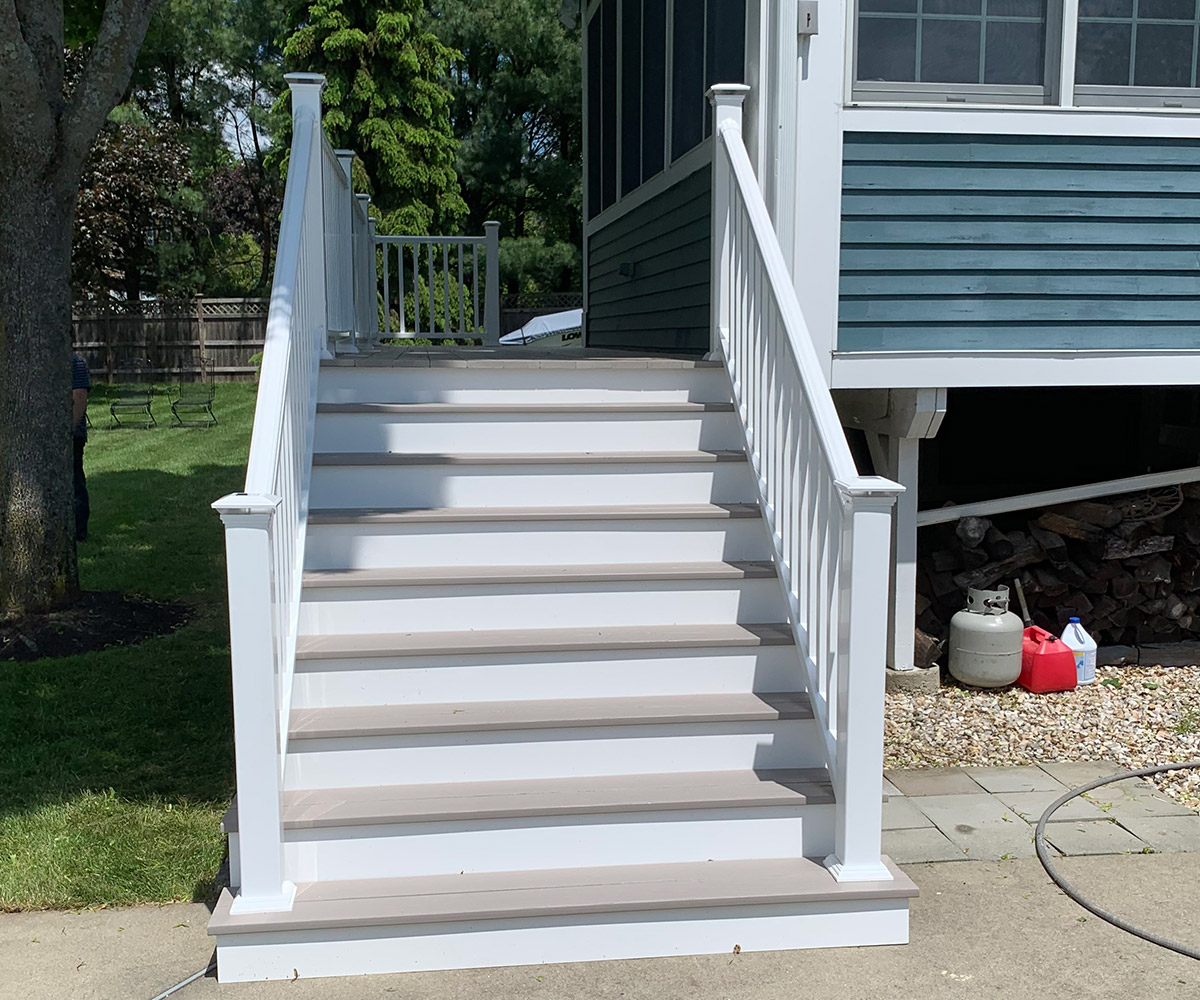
x: 491, y: 310
x: 306, y: 100
x: 371, y: 287
x: 727, y: 100
x: 364, y: 273
x: 255, y: 659
x: 344, y: 264
x: 862, y: 641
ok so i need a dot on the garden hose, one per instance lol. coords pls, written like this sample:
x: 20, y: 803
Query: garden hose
x: 172, y: 990
x: 1043, y: 854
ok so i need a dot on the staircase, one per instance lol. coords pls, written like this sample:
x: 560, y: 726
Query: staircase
x: 547, y: 705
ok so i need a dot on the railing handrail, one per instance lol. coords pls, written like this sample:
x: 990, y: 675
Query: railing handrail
x: 835, y: 449
x: 272, y: 382
x: 436, y: 240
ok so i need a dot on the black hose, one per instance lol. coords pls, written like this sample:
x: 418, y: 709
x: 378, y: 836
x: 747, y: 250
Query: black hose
x: 172, y: 990
x: 1043, y: 854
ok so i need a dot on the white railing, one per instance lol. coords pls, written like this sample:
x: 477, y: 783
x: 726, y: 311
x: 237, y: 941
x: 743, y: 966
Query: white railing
x: 265, y: 525
x: 431, y: 285
x: 830, y: 526
x: 366, y: 294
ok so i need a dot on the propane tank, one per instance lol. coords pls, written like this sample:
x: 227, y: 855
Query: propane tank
x: 986, y: 640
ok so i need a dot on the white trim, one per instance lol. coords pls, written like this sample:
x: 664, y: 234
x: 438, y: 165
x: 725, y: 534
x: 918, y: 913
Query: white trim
x: 1069, y: 494
x: 691, y: 161
x: 991, y: 119
x: 980, y: 369
x: 1068, y: 36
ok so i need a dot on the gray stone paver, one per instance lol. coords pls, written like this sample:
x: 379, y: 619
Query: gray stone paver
x: 910, y: 847
x: 1074, y: 773
x: 1175, y: 834
x: 1094, y: 837
x: 933, y: 781
x: 1135, y: 799
x: 900, y: 813
x: 1030, y: 806
x: 1030, y: 778
x: 981, y: 824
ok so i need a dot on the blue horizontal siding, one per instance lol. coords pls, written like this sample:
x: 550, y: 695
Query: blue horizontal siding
x: 961, y: 242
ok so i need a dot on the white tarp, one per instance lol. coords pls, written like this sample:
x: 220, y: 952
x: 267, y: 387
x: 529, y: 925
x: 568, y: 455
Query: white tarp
x: 541, y: 327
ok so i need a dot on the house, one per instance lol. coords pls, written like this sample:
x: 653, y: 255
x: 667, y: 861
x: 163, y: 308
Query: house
x: 542, y: 658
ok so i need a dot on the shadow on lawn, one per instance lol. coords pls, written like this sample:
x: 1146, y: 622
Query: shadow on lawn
x: 147, y: 725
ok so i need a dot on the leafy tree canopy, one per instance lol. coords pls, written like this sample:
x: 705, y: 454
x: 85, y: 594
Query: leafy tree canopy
x: 385, y: 99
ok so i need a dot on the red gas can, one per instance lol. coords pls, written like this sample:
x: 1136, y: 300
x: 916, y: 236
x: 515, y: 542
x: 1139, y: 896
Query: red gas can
x: 1047, y: 663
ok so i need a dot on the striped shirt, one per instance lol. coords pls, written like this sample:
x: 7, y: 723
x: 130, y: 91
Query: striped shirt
x: 80, y: 379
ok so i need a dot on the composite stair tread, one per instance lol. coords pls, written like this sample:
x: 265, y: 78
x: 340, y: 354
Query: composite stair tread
x: 563, y: 892
x: 389, y: 458
x: 626, y: 512
x: 514, y: 357
x: 545, y: 640
x: 565, y: 713
x: 311, y: 809
x: 465, y: 576
x: 500, y: 409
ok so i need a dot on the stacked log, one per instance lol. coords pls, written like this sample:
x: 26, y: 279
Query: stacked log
x: 1132, y: 579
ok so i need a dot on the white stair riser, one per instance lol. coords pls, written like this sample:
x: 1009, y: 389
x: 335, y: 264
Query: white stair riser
x: 439, y: 680
x: 512, y: 385
x: 356, y: 610
x: 535, y: 543
x: 642, y: 838
x: 531, y: 485
x: 487, y: 944
x: 552, y: 753
x: 488, y: 432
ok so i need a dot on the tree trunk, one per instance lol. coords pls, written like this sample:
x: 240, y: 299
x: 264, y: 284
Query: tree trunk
x: 38, y: 569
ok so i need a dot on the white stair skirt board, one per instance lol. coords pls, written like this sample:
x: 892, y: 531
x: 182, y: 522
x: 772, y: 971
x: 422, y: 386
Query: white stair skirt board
x: 341, y: 480
x: 498, y: 385
x: 379, y: 544
x: 574, y: 915
x: 544, y: 603
x: 404, y: 680
x: 499, y: 429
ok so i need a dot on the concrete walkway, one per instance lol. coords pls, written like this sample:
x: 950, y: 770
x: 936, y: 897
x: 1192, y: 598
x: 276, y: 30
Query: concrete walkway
x: 989, y: 814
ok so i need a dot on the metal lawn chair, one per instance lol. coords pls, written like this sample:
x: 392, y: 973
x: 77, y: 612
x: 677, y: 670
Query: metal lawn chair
x: 196, y: 398
x: 133, y: 394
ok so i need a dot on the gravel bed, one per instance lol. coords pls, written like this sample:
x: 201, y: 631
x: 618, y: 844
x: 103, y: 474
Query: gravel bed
x: 1135, y: 716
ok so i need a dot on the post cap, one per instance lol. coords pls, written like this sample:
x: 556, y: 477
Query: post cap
x: 727, y: 93
x: 295, y: 80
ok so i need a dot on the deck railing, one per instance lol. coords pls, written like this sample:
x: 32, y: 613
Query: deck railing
x: 831, y: 527
x: 432, y: 287
x: 265, y: 525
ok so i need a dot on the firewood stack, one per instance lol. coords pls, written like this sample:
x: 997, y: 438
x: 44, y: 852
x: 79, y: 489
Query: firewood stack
x: 1128, y: 567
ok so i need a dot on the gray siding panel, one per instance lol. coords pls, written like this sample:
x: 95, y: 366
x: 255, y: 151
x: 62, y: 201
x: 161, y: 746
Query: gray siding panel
x: 962, y: 242
x: 665, y: 305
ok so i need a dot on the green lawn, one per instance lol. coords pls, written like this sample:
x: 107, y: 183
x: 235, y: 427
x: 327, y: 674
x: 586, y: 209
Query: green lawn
x: 115, y: 767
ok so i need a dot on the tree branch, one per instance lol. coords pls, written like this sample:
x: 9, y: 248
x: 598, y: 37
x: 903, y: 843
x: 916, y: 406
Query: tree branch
x: 21, y: 101
x: 107, y: 74
x: 42, y: 27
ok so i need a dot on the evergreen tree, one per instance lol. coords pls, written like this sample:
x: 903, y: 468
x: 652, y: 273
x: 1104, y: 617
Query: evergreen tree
x: 386, y: 100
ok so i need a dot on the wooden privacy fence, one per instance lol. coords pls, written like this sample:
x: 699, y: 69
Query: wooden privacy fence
x: 172, y: 337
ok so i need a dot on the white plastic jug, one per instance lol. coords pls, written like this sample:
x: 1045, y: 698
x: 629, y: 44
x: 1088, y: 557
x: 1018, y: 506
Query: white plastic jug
x: 1084, y: 648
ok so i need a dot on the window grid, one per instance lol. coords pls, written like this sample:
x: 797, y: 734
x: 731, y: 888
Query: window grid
x: 1135, y: 19
x: 921, y: 16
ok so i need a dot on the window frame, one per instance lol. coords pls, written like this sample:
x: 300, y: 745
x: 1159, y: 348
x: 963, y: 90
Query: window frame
x: 1059, y: 90
x: 915, y: 92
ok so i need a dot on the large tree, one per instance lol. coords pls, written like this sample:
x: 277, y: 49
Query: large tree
x: 49, y: 119
x: 517, y: 114
x: 385, y: 98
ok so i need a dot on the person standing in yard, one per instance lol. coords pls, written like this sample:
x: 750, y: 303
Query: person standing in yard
x: 81, y: 383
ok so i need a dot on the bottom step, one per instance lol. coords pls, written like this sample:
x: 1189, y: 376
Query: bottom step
x: 567, y: 915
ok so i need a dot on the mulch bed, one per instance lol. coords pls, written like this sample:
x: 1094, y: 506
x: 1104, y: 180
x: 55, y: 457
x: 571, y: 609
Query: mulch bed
x: 99, y: 621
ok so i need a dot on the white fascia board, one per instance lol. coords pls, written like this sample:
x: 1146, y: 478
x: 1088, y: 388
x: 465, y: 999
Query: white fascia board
x: 998, y: 369
x: 1156, y: 123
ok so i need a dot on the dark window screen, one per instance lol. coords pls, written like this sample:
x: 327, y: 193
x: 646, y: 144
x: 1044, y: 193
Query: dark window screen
x: 608, y: 90
x: 593, y: 116
x: 631, y: 95
x: 1140, y: 43
x: 687, y: 80
x: 654, y: 86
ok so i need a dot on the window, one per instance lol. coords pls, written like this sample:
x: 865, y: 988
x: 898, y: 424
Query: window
x: 939, y: 49
x: 1133, y: 52
x: 639, y: 112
